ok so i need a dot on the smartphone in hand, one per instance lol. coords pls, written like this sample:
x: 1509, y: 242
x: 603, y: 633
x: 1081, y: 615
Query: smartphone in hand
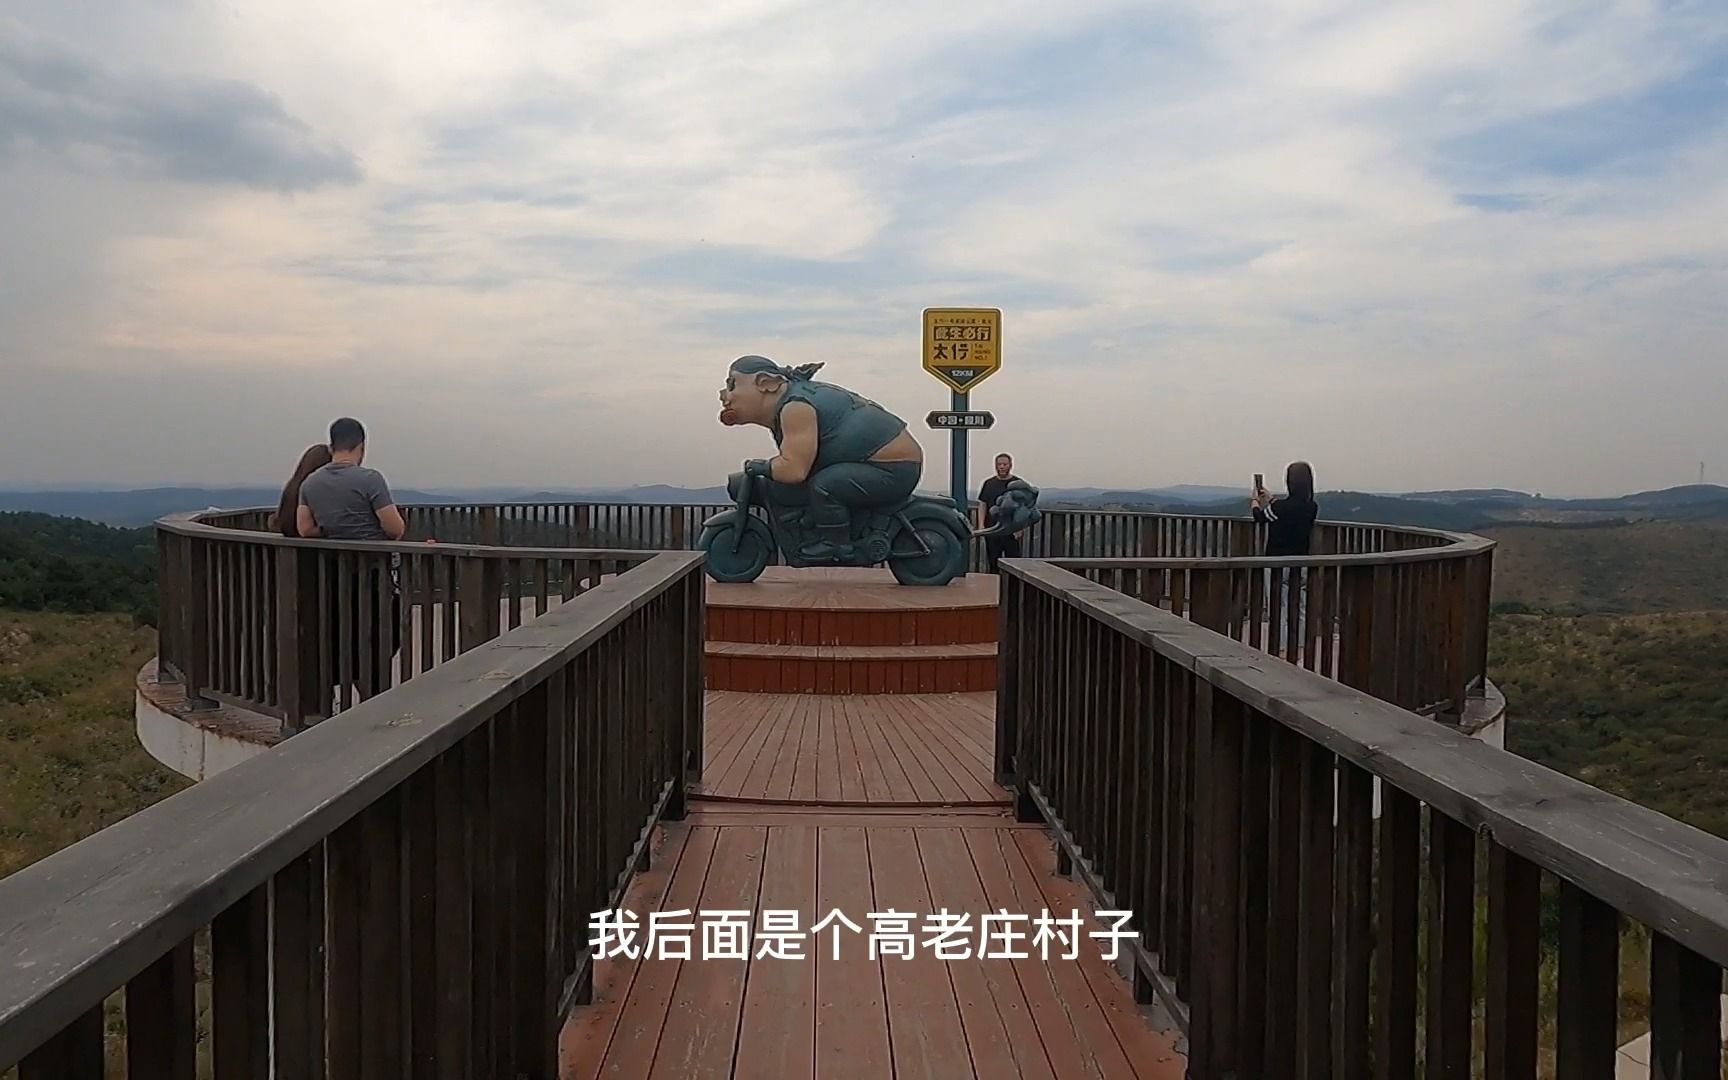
x: 1259, y: 483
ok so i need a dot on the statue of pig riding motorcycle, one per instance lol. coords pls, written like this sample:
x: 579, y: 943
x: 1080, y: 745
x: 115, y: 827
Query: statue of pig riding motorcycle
x: 841, y: 491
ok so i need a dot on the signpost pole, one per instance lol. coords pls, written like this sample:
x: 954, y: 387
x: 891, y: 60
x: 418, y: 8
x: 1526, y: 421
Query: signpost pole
x: 957, y: 469
x: 962, y: 348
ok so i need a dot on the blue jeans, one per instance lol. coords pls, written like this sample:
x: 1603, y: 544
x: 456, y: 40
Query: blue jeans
x: 1278, y: 611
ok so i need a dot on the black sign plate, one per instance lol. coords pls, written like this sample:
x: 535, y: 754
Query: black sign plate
x: 955, y: 421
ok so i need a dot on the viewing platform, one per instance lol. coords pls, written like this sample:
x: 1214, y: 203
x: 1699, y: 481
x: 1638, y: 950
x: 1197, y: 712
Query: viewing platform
x: 453, y: 763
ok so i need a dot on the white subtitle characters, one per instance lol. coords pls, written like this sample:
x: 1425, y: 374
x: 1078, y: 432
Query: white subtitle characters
x: 726, y: 934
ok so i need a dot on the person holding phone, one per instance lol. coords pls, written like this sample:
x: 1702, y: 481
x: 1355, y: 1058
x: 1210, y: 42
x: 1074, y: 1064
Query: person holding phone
x: 1290, y: 520
x: 1289, y: 524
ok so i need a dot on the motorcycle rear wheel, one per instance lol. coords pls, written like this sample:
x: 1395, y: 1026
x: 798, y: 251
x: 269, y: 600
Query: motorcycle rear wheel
x: 943, y: 562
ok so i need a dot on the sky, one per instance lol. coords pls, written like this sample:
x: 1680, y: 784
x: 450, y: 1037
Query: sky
x: 1421, y: 245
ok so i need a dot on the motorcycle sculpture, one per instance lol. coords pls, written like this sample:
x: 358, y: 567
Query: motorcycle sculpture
x: 840, y: 493
x: 1015, y: 510
x: 924, y: 539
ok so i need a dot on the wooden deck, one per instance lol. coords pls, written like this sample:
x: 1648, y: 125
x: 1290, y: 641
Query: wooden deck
x: 905, y: 749
x: 861, y: 805
x: 854, y: 1016
x: 851, y: 590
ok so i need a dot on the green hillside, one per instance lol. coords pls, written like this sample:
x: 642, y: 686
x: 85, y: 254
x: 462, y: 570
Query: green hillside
x: 64, y: 564
x: 1610, y: 569
x: 1635, y: 704
x: 70, y: 762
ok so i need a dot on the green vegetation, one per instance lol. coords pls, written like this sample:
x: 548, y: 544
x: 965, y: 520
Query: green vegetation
x: 1635, y: 704
x: 64, y: 564
x: 1609, y: 645
x: 70, y: 763
x: 1610, y: 569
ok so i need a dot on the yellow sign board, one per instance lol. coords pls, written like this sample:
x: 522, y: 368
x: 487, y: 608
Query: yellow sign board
x: 962, y: 346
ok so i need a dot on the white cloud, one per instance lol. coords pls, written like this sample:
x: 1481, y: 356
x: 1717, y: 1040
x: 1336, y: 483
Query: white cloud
x: 1204, y: 215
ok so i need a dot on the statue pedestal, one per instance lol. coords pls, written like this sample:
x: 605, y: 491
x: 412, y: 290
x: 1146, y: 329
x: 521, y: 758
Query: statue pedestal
x: 851, y: 631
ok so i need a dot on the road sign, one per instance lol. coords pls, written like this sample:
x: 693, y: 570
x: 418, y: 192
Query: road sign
x: 947, y: 421
x: 962, y: 346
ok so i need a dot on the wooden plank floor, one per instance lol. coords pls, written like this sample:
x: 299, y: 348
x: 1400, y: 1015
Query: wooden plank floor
x: 839, y: 808
x: 844, y: 750
x: 848, y: 1014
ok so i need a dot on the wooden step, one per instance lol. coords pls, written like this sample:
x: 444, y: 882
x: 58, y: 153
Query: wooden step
x: 851, y: 607
x: 851, y: 669
x: 779, y: 626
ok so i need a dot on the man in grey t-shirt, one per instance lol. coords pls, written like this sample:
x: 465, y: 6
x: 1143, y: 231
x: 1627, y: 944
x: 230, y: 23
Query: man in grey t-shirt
x: 344, y: 500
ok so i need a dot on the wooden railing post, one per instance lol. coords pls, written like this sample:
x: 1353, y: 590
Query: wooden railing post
x: 298, y: 635
x: 1242, y: 539
x: 1211, y: 599
x: 489, y: 526
x: 1381, y: 634
x: 1479, y: 590
x: 482, y: 590
x: 171, y: 608
x: 196, y: 579
x: 1009, y: 656
x: 1685, y: 1012
x: 1216, y: 1030
x: 695, y: 677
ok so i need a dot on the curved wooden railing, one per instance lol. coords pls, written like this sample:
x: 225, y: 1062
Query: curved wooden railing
x: 1274, y: 834
x: 302, y: 629
x: 1063, y: 532
x: 1401, y: 613
x: 403, y: 892
x: 1408, y: 626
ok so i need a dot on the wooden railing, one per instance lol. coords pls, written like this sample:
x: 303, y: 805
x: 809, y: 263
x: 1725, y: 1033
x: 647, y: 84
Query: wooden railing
x: 1133, y: 534
x: 634, y: 526
x: 302, y: 629
x: 1408, y: 626
x: 1302, y: 860
x: 405, y: 892
x: 1401, y: 613
x: 1063, y: 532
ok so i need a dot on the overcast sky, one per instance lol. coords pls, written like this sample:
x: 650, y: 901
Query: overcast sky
x: 1480, y: 242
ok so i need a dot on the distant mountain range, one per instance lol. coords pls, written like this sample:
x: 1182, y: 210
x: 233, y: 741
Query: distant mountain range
x: 1460, y: 510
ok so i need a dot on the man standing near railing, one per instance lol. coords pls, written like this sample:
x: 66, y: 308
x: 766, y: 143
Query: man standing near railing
x: 345, y: 500
x: 1003, y: 545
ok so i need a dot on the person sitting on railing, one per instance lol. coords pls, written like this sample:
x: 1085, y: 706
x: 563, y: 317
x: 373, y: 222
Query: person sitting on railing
x: 1289, y: 525
x: 286, y: 519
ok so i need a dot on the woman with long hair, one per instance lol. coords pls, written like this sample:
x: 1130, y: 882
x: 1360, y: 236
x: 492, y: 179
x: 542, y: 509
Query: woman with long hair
x: 287, y: 509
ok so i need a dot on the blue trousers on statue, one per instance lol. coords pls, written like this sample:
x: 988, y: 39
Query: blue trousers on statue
x: 834, y: 491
